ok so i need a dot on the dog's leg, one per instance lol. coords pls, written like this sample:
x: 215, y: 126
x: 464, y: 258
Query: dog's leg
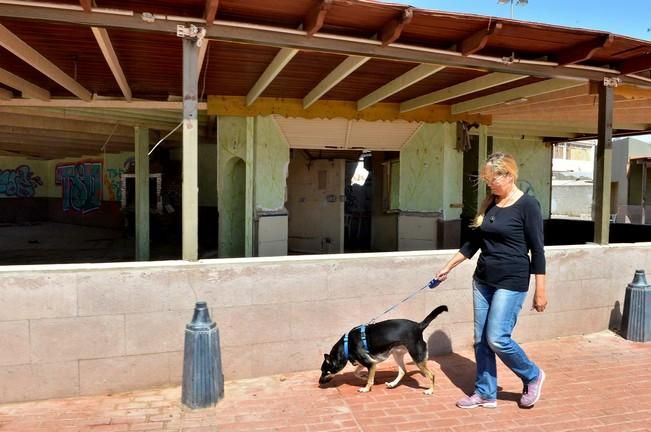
x: 399, y: 357
x: 428, y: 374
x: 370, y: 381
x: 358, y: 372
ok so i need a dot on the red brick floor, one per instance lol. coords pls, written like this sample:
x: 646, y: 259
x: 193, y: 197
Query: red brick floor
x: 598, y: 382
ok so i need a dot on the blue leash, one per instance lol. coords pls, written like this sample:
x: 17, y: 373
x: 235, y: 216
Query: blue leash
x: 431, y: 285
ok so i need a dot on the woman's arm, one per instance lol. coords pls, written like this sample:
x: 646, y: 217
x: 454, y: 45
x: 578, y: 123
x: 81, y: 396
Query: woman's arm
x: 457, y: 259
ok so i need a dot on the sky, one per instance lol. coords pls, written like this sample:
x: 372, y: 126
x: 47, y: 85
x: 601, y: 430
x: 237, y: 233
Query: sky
x: 624, y: 17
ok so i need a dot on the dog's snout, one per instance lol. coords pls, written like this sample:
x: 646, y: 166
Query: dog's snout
x: 324, y: 379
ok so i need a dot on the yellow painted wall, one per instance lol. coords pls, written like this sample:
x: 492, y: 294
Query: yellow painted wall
x: 21, y: 177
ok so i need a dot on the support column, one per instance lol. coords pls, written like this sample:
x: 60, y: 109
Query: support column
x: 141, y: 219
x: 190, y: 190
x: 603, y: 163
x: 482, y: 156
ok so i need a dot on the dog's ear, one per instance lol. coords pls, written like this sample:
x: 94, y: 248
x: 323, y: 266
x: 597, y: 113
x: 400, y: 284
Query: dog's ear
x: 326, y: 357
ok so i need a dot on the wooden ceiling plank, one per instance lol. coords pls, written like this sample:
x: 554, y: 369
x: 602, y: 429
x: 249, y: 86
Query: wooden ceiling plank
x: 561, y: 95
x: 38, y: 122
x: 636, y: 64
x: 25, y: 87
x: 412, y: 76
x: 104, y: 42
x: 478, y: 40
x: 316, y: 17
x: 29, y: 55
x: 238, y: 32
x: 583, y: 51
x: 525, y: 91
x: 210, y: 12
x: 345, y: 68
x: 393, y: 29
x: 461, y: 89
x: 283, y: 57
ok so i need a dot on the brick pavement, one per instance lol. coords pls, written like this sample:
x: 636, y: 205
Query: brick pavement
x: 598, y: 382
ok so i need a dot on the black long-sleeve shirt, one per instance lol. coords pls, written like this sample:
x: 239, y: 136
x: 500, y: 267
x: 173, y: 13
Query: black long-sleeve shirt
x: 505, y: 238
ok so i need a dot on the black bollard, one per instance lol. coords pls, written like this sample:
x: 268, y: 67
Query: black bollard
x: 636, y: 317
x: 203, y: 381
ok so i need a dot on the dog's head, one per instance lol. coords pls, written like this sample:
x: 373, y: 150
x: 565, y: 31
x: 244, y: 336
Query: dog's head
x: 330, y: 367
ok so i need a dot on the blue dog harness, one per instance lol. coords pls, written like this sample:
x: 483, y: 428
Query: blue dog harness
x: 362, y: 330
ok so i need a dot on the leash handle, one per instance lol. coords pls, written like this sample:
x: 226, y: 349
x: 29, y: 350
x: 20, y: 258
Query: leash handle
x: 434, y: 283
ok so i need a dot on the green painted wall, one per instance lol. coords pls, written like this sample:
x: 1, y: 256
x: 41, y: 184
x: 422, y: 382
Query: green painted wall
x: 272, y: 160
x: 431, y: 170
x: 535, y: 165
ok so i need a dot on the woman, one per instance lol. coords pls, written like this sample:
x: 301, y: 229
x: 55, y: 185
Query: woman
x: 507, y: 226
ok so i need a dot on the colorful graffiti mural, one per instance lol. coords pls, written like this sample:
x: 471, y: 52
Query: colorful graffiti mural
x: 20, y: 182
x: 112, y: 179
x: 81, y: 185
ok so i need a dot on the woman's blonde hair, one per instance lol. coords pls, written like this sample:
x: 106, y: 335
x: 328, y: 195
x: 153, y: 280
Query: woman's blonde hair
x: 497, y: 164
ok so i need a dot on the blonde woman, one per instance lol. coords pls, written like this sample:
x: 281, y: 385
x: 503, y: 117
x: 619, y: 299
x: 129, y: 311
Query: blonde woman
x: 508, y: 226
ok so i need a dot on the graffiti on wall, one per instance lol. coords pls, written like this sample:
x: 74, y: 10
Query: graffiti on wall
x: 81, y: 185
x: 112, y: 179
x: 20, y: 182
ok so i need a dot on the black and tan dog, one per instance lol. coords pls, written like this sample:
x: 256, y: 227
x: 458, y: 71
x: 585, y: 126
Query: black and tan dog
x: 369, y: 345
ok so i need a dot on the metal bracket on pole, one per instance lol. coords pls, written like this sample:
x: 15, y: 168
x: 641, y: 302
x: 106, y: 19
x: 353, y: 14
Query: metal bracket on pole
x: 192, y: 32
x: 612, y: 82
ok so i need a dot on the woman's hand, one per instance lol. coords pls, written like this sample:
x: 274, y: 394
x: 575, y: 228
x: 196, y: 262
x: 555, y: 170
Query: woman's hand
x: 540, y: 295
x: 539, y: 301
x: 443, y: 274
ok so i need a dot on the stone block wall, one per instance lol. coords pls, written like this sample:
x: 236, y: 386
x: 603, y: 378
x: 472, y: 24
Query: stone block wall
x: 71, y: 330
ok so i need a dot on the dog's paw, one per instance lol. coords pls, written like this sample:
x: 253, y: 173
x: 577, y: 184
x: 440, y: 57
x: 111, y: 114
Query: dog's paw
x: 364, y: 390
x: 391, y: 384
x: 429, y: 392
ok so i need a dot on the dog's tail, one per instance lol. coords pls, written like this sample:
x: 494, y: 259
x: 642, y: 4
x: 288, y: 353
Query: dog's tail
x: 429, y: 318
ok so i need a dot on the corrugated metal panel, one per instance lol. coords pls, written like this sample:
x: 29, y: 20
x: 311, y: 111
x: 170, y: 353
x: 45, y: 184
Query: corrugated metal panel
x: 345, y: 134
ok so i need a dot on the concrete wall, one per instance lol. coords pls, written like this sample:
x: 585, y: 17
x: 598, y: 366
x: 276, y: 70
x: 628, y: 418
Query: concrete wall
x: 72, y: 330
x: 572, y: 198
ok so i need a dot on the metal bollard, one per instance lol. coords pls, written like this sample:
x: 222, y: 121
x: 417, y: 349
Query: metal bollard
x: 203, y: 380
x: 636, y: 317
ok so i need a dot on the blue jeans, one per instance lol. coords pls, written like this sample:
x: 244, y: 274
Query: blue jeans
x: 496, y: 312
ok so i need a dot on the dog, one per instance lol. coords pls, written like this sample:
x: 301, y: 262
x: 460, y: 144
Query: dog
x: 369, y: 345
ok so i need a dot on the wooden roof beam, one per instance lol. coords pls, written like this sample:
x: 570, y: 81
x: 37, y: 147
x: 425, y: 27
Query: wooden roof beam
x: 416, y: 74
x: 477, y: 41
x: 86, y: 5
x: 636, y: 64
x: 29, y: 55
x: 104, y: 42
x: 25, y: 87
x: 210, y: 13
x: 5, y: 94
x: 345, y: 68
x: 316, y: 17
x: 583, y: 51
x: 393, y: 29
x: 461, y: 89
x: 535, y: 89
x: 283, y: 57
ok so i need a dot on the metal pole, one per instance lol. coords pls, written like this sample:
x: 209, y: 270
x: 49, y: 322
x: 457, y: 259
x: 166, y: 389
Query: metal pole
x: 190, y: 190
x: 643, y: 199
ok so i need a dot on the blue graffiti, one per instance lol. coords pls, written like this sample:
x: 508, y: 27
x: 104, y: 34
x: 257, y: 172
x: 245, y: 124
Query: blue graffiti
x: 81, y: 186
x: 20, y: 182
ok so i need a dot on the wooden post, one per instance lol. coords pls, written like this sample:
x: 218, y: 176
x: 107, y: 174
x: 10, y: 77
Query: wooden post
x: 142, y: 193
x: 603, y: 163
x: 190, y: 189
